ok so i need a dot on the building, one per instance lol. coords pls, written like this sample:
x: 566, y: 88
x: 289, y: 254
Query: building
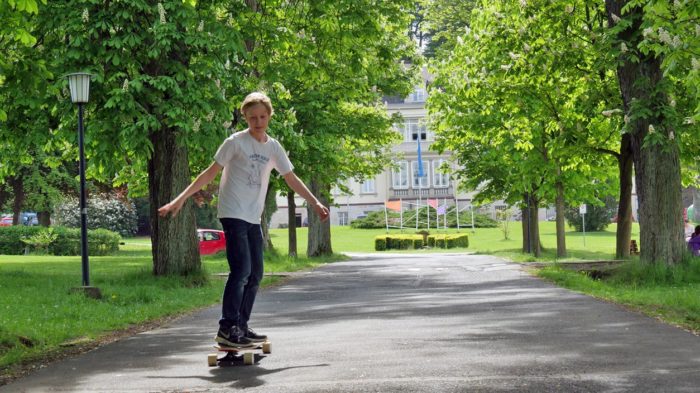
x: 401, y: 183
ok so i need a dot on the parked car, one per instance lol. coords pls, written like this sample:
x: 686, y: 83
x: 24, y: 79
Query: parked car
x: 211, y: 241
x: 6, y: 221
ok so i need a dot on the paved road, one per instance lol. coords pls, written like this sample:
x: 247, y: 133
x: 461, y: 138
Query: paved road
x: 402, y: 323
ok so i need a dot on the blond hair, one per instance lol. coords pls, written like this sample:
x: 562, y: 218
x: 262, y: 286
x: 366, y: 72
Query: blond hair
x: 257, y: 98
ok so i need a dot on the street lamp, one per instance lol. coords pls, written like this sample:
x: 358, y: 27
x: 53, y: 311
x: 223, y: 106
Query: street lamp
x: 79, y: 94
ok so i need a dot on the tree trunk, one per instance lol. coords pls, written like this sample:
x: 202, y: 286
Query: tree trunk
x: 292, y: 227
x: 624, y: 206
x: 696, y: 205
x: 44, y: 218
x: 175, y: 246
x: 270, y: 207
x: 657, y: 164
x: 531, y: 227
x: 319, y: 232
x: 18, y: 191
x: 560, y: 220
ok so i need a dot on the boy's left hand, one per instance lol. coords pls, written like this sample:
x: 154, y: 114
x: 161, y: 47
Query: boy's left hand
x: 322, y: 211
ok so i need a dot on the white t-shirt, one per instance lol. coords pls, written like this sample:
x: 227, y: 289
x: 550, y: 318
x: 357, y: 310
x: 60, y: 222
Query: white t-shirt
x: 247, y: 165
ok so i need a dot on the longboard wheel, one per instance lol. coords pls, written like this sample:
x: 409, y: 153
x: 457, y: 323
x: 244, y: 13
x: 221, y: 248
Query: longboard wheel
x: 267, y: 347
x: 248, y: 358
x: 212, y: 359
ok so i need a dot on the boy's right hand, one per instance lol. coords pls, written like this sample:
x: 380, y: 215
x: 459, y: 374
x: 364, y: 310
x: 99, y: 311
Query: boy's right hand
x: 172, y: 207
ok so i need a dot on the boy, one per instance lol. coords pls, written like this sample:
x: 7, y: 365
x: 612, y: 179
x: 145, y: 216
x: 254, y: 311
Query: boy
x: 247, y: 158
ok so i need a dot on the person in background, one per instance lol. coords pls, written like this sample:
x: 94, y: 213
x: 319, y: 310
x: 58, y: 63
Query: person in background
x: 694, y: 242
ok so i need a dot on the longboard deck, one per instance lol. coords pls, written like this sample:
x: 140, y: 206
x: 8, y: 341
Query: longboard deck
x: 248, y: 354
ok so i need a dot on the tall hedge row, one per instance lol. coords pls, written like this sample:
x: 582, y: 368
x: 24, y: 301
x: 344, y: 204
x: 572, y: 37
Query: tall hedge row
x: 100, y: 241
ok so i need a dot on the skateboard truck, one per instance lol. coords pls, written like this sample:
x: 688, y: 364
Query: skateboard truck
x: 233, y: 352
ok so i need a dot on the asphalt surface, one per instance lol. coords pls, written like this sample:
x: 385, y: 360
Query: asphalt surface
x: 403, y: 323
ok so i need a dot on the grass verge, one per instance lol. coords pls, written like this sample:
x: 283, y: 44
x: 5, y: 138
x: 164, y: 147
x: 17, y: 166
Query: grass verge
x: 41, y: 319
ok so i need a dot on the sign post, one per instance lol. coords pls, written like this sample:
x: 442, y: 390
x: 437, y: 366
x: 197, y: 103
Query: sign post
x: 582, y: 210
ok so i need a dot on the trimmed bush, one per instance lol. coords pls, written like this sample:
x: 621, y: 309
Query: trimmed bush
x: 100, y: 241
x: 398, y: 242
x: 448, y: 241
x: 104, y: 212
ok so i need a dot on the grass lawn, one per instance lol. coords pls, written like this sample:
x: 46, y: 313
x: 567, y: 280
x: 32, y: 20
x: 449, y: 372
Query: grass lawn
x: 40, y: 317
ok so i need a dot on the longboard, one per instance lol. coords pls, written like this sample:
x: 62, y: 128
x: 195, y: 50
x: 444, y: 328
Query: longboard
x: 234, y: 354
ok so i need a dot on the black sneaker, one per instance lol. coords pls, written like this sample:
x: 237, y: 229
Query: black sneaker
x: 233, y: 337
x: 254, y: 337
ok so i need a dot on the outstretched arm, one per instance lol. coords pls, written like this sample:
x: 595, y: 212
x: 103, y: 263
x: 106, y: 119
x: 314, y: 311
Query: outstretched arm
x: 202, y: 180
x: 300, y: 188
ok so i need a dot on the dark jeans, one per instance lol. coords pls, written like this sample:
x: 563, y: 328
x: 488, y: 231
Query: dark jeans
x: 244, y: 251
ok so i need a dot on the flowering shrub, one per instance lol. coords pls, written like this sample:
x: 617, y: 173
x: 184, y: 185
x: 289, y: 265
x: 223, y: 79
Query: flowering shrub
x: 104, y: 211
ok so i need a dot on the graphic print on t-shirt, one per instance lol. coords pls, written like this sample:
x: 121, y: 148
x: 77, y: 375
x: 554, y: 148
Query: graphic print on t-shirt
x: 257, y: 163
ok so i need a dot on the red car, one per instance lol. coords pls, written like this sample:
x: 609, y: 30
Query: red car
x: 6, y: 221
x: 211, y: 241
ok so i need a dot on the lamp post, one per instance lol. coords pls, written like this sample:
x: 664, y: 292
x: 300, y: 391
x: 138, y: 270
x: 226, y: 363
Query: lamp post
x: 79, y: 94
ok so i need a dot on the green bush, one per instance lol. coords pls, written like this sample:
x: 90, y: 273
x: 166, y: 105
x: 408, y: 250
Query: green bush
x: 597, y: 217
x: 398, y: 242
x: 67, y: 240
x: 448, y: 241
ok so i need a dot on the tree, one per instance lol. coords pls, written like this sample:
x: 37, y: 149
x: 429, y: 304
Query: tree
x: 519, y: 102
x: 163, y: 74
x: 640, y: 31
x: 326, y: 65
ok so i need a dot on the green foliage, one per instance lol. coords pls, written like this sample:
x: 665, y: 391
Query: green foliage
x: 39, y: 242
x: 61, y: 241
x: 597, y: 217
x: 522, y: 91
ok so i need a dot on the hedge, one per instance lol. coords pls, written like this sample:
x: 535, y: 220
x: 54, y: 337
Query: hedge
x: 398, y: 242
x: 406, y: 242
x: 100, y: 241
x: 448, y: 241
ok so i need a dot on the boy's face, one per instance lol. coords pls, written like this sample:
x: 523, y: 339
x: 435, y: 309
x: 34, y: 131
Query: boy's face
x: 257, y: 118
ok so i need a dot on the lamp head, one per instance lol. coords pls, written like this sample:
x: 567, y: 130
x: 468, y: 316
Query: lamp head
x: 79, y: 87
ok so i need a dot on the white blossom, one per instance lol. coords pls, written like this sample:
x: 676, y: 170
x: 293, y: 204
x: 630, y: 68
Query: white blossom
x: 513, y: 56
x: 627, y: 119
x: 689, y: 120
x: 677, y: 4
x: 218, y: 83
x: 673, y: 103
x: 647, y: 32
x: 616, y: 19
x: 460, y: 41
x: 201, y: 26
x: 677, y: 42
x: 125, y: 85
x: 227, y: 65
x: 569, y: 9
x: 161, y: 12
x: 523, y: 3
x: 210, y: 116
x: 506, y: 67
x: 651, y: 129
x: 697, y: 30
x: 623, y: 47
x: 695, y: 64
x: 526, y: 48
x: 610, y: 112
x: 671, y: 135
x: 196, y: 125
x: 665, y: 37
x: 467, y: 30
x: 86, y: 15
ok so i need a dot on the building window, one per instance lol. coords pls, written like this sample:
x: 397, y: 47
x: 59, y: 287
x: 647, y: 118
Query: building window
x: 419, y: 94
x: 343, y: 218
x: 440, y: 178
x: 420, y: 182
x: 399, y: 176
x: 415, y: 130
x: 368, y: 187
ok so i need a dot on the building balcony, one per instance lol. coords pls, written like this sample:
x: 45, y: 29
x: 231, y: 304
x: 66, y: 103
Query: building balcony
x: 444, y: 192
